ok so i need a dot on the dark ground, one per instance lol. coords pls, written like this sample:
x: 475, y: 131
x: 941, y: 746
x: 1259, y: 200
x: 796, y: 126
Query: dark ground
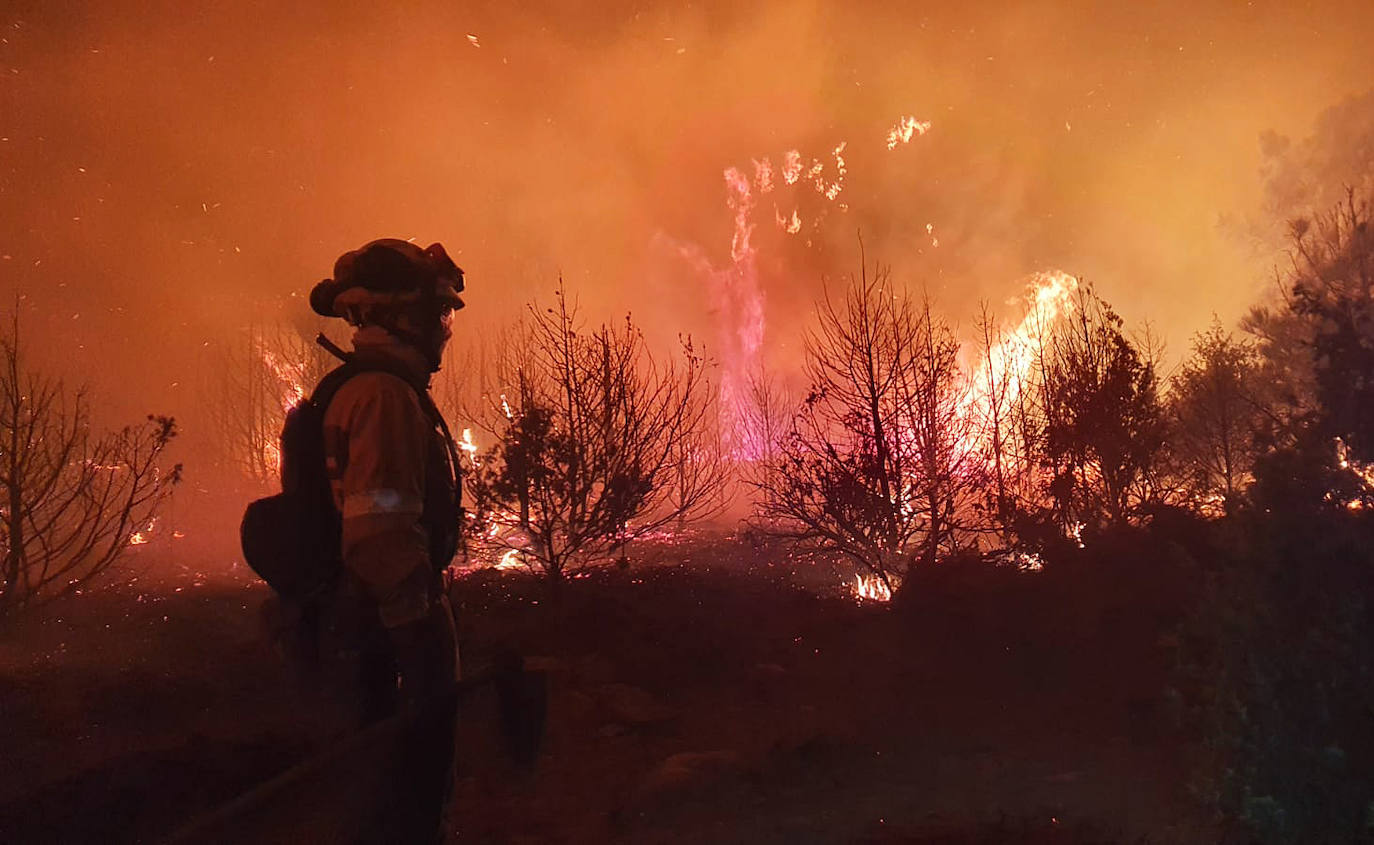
x: 716, y: 693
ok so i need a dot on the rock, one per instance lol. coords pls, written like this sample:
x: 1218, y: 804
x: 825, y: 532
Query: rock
x: 632, y: 705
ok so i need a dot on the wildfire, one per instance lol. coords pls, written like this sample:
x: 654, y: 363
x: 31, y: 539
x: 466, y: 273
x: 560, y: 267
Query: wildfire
x: 871, y: 588
x: 1008, y: 365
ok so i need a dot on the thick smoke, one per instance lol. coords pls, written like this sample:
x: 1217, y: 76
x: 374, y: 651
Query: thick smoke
x: 1310, y: 176
x: 171, y: 174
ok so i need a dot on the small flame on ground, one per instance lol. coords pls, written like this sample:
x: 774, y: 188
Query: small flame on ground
x: 141, y: 537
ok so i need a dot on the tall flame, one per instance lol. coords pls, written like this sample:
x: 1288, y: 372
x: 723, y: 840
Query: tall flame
x: 1007, y: 367
x: 291, y: 384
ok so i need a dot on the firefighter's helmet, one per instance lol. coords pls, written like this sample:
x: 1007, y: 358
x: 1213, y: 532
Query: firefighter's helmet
x: 388, y: 272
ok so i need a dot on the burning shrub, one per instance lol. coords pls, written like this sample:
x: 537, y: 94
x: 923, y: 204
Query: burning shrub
x: 597, y: 444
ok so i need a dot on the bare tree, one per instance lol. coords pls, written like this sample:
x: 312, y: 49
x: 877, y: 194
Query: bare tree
x: 597, y: 444
x: 879, y: 464
x: 72, y: 502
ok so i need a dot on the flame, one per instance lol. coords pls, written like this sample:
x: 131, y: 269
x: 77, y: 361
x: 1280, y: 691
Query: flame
x: 1008, y: 365
x: 905, y: 129
x: 291, y: 381
x: 737, y: 287
x: 467, y: 445
x: 292, y: 378
x: 510, y: 560
x: 871, y: 588
x: 141, y: 537
x: 790, y: 224
x: 763, y: 175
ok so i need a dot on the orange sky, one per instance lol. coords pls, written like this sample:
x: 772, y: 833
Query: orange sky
x: 168, y: 175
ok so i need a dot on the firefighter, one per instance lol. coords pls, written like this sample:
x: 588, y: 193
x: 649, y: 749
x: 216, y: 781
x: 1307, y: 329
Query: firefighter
x: 393, y: 474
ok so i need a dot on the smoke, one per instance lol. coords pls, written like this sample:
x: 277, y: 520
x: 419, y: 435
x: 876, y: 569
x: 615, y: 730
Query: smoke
x: 1312, y: 175
x: 169, y: 175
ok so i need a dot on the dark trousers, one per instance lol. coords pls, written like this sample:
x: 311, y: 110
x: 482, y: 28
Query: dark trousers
x: 408, y: 673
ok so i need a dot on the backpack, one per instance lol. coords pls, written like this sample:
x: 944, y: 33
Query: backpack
x: 292, y: 540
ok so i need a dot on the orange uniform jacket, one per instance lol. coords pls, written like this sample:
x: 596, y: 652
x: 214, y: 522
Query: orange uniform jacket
x: 377, y: 439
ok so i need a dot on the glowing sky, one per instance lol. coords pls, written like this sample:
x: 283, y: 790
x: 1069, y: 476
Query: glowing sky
x: 169, y: 173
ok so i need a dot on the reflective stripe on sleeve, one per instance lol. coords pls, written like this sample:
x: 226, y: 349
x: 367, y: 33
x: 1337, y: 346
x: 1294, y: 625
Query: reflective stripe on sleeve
x: 382, y: 501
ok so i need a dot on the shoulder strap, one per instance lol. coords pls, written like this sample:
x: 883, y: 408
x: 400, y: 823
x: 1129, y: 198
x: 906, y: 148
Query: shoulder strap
x: 336, y: 378
x: 330, y: 384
